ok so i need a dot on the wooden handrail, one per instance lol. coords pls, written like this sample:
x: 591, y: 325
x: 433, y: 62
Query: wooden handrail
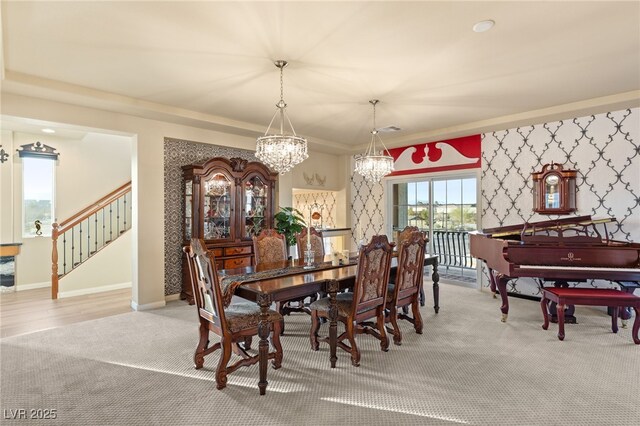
x: 91, y: 209
x: 65, y: 225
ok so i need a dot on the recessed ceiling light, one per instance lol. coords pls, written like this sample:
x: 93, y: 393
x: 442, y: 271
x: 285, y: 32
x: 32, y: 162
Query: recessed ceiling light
x: 48, y: 131
x: 483, y: 26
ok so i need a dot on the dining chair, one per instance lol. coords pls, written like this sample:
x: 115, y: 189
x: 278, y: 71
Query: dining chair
x: 317, y: 243
x: 269, y: 246
x: 405, y: 234
x: 367, y: 301
x: 235, y: 325
x: 406, y: 289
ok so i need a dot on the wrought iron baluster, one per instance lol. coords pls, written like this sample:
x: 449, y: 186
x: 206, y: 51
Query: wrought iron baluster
x: 103, y: 228
x: 73, y: 247
x: 110, y: 222
x: 88, y: 238
x: 80, y: 241
x: 95, y: 228
x: 64, y: 253
x: 124, y: 210
x: 118, y: 216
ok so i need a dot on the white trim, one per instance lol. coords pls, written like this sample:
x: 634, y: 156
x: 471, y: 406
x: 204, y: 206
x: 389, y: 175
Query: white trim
x: 92, y: 290
x: 33, y: 286
x: 147, y: 306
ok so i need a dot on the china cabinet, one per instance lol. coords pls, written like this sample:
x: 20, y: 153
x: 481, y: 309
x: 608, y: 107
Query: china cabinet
x: 226, y: 203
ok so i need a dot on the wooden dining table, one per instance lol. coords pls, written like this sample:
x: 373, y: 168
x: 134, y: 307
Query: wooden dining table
x: 293, y: 281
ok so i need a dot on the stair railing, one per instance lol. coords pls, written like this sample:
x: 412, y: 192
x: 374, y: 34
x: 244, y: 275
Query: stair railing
x: 85, y: 233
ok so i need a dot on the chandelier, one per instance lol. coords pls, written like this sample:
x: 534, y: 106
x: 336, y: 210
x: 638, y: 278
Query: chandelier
x: 281, y: 151
x: 373, y: 164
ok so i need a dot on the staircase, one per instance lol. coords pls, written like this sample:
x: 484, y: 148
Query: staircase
x: 84, y: 234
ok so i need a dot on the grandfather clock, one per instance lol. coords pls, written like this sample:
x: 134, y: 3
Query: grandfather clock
x: 554, y: 190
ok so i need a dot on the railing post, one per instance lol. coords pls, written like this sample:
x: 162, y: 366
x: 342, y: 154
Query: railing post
x: 54, y: 262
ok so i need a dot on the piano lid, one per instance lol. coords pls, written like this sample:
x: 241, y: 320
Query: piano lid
x: 531, y: 227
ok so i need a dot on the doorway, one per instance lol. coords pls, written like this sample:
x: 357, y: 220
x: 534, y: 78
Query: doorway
x: 445, y: 207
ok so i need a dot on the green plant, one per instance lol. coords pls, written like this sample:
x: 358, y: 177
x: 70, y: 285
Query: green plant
x: 289, y: 222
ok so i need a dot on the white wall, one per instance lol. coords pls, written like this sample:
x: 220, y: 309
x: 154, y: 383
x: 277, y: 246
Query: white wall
x: 6, y: 190
x: 147, y: 176
x: 110, y: 267
x: 87, y: 169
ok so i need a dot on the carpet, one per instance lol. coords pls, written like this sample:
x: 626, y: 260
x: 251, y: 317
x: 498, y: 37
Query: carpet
x: 467, y: 368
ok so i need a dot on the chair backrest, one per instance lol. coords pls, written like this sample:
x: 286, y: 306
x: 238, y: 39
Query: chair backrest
x: 410, y: 265
x: 374, y: 263
x: 269, y: 247
x: 317, y: 244
x: 405, y: 234
x: 204, y: 282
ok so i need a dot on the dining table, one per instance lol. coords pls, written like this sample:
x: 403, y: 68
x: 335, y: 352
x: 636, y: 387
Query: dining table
x: 293, y: 279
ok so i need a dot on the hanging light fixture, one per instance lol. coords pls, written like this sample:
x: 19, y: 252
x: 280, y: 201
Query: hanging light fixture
x: 281, y: 151
x: 374, y: 164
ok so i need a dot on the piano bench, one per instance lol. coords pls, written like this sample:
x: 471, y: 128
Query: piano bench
x: 615, y: 299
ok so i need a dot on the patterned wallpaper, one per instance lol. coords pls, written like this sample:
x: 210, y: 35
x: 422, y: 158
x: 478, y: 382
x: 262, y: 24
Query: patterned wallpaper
x: 367, y: 209
x: 603, y: 148
x: 178, y: 153
x: 325, y: 200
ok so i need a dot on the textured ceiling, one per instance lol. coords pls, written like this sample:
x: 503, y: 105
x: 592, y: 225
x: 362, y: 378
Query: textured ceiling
x: 210, y: 64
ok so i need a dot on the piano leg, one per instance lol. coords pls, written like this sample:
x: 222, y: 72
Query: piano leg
x: 492, y: 283
x: 614, y: 319
x: 501, y: 281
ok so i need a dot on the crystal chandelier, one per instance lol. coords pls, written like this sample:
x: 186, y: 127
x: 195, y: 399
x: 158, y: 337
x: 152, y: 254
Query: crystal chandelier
x: 281, y: 151
x: 373, y: 164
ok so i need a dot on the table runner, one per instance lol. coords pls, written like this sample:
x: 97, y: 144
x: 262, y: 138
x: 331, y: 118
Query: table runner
x: 229, y: 283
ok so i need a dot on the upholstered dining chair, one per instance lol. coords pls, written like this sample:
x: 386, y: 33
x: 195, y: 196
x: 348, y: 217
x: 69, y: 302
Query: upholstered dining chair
x: 405, y: 234
x: 235, y: 324
x: 317, y: 244
x: 269, y: 246
x: 406, y: 289
x: 402, y: 236
x: 367, y: 301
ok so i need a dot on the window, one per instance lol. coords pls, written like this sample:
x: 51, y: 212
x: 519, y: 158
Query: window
x: 445, y: 208
x: 38, y: 201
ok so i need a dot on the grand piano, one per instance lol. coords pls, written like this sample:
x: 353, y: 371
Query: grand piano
x: 559, y: 251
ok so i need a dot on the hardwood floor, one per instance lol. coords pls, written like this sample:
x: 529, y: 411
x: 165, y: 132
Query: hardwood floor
x: 33, y: 310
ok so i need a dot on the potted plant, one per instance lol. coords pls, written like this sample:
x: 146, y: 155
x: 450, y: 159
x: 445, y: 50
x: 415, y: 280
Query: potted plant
x: 289, y: 222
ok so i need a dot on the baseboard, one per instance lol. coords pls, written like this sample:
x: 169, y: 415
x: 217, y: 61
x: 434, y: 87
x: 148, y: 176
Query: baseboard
x: 172, y: 297
x: 92, y: 290
x: 147, y: 306
x: 33, y: 286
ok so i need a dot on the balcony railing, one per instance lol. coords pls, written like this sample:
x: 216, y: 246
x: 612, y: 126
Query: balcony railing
x: 452, y: 248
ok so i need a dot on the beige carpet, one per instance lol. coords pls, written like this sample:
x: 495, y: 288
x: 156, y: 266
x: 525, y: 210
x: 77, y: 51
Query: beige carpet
x: 467, y: 368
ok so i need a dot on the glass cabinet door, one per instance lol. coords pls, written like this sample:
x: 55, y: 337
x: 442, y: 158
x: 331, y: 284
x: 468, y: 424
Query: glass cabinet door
x: 188, y: 209
x: 217, y: 208
x: 255, y: 205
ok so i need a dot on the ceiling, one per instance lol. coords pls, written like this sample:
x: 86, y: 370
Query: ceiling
x: 210, y: 64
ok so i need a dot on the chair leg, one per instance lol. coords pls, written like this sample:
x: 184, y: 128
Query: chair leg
x: 545, y: 312
x: 384, y: 339
x: 275, y: 341
x: 393, y: 318
x: 221, y: 371
x: 417, y: 317
x: 247, y: 342
x: 351, y: 335
x: 203, y: 343
x: 280, y: 307
x: 313, y: 333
